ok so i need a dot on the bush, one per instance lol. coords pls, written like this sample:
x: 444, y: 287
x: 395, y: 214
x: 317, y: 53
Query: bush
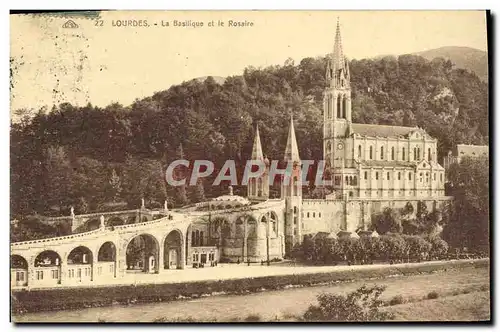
x: 432, y: 295
x: 418, y: 248
x: 439, y: 247
x: 361, y: 305
x: 398, y: 299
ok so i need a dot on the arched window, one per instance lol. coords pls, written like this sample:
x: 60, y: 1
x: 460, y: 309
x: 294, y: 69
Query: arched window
x: 359, y: 151
x: 409, y: 176
x: 355, y: 180
x: 371, y: 152
x: 376, y: 175
x: 392, y: 153
x: 201, y: 239
x: 381, y: 152
x: 344, y: 106
x: 414, y: 153
x: 346, y: 179
x: 388, y: 176
x: 404, y: 154
x: 366, y: 175
x: 339, y: 114
x: 429, y: 156
x: 418, y: 154
x: 328, y: 108
x: 441, y: 177
x: 399, y: 175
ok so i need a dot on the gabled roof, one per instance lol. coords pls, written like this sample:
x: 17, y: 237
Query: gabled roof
x: 372, y: 130
x: 429, y: 164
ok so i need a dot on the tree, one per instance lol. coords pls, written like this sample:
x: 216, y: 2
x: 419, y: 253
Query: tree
x: 58, y: 179
x: 180, y: 172
x: 197, y: 192
x: 468, y: 225
x: 115, y: 186
x: 387, y: 221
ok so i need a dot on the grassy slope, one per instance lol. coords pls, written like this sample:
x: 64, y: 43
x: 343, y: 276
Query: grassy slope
x: 464, y: 307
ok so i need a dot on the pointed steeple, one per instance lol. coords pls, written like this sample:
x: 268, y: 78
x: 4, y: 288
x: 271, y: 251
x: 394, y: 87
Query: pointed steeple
x: 292, y: 150
x: 338, y: 60
x: 337, y: 68
x: 257, y: 146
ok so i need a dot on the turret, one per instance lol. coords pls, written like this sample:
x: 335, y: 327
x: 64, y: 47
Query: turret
x: 291, y: 192
x: 258, y: 188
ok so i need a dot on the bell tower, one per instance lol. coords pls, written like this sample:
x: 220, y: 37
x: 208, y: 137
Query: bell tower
x: 336, y: 106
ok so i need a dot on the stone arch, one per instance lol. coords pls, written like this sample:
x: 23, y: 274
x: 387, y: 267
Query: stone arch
x: 172, y: 246
x: 80, y: 264
x: 19, y: 270
x: 47, y: 268
x: 18, y: 262
x: 47, y: 258
x: 142, y: 253
x: 215, y: 231
x: 106, y: 252
x: 115, y: 221
x: 106, y: 259
x: 79, y: 255
x: 88, y: 225
x: 274, y: 222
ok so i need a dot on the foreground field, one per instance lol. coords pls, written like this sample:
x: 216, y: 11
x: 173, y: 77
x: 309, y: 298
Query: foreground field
x: 474, y: 306
x: 462, y: 294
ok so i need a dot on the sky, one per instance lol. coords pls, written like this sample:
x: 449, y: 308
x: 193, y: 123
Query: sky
x: 109, y: 63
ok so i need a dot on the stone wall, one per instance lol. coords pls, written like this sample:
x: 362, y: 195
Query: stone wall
x: 335, y: 215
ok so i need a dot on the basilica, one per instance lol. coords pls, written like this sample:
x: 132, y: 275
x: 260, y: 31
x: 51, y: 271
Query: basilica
x: 373, y: 167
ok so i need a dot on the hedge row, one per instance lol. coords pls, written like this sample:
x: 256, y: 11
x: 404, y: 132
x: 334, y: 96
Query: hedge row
x: 386, y: 248
x: 75, y: 298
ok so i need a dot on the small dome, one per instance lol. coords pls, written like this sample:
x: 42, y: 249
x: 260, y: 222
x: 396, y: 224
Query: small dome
x: 232, y: 198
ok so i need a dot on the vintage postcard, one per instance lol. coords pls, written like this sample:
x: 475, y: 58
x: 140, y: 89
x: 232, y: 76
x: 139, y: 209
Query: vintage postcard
x: 249, y: 166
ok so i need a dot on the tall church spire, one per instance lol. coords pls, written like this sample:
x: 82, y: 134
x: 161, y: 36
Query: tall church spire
x: 337, y: 68
x: 292, y: 150
x: 338, y: 60
x: 257, y: 147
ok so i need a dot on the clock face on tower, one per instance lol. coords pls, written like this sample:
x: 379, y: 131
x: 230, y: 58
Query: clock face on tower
x: 340, y: 146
